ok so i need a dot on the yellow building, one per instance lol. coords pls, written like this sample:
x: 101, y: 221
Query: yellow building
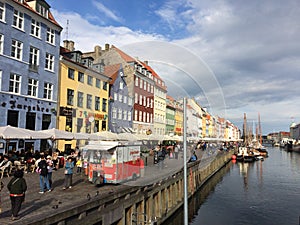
x: 178, y: 118
x: 83, y: 95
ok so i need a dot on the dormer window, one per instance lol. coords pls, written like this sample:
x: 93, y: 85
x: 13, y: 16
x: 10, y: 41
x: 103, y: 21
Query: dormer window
x: 42, y: 10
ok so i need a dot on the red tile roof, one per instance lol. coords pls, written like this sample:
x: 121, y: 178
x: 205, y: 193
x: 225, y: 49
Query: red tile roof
x: 112, y: 72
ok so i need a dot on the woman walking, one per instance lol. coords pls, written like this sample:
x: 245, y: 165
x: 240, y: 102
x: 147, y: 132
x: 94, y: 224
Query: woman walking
x: 17, y: 187
x: 68, y: 173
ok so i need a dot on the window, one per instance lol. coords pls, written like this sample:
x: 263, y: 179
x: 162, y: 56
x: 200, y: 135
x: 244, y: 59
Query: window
x: 88, y: 101
x: 140, y: 115
x: 114, y: 113
x: 48, y: 90
x: 81, y: 77
x: 136, y: 98
x: 34, y: 57
x: 141, y: 83
x: 35, y: 28
x: 144, y: 116
x: 145, y: 85
x: 141, y: 100
x: 49, y: 62
x: 70, y: 97
x: 125, y: 99
x: 16, y: 49
x: 90, y: 80
x: 129, y: 101
x: 71, y: 73
x: 50, y: 36
x: 18, y: 20
x: 136, y: 81
x: 15, y: 83
x: 42, y: 10
x: 135, y: 115
x: 97, y: 103
x: 120, y: 114
x: 32, y: 87
x: 124, y: 115
x: 115, y: 96
x: 2, y: 12
x: 151, y: 88
x: 120, y: 97
x: 104, y: 85
x: 98, y: 83
x: 144, y: 101
x: 121, y: 85
x: 79, y: 99
x: 104, y: 105
x: 129, y: 116
x: 1, y: 43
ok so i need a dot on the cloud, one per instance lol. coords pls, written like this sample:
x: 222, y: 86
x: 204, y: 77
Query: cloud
x: 106, y: 11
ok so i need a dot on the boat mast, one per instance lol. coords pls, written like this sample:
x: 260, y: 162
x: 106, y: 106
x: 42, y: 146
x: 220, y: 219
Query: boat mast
x: 259, y: 130
x: 245, y: 129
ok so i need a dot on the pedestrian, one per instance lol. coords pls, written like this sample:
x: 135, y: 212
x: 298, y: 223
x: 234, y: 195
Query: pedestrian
x: 79, y: 165
x: 17, y: 187
x: 43, y: 171
x: 68, y: 173
x: 176, y: 151
x: 50, y: 169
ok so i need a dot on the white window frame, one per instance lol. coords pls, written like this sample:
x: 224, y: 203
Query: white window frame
x: 114, y: 113
x: 49, y: 62
x: 2, y: 11
x: 50, y: 36
x: 120, y: 97
x: 1, y: 43
x: 135, y: 115
x: 18, y: 20
x: 121, y: 85
x: 124, y: 115
x: 136, y: 98
x: 120, y: 114
x: 34, y: 54
x: 141, y: 100
x: 136, y: 81
x: 33, y: 87
x: 35, y: 29
x: 129, y: 116
x: 141, y: 83
x: 125, y: 99
x: 115, y: 96
x: 140, y: 116
x: 15, y: 83
x: 48, y: 91
x: 16, y: 49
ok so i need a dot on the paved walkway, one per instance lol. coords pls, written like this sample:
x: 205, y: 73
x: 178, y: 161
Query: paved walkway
x: 49, y: 203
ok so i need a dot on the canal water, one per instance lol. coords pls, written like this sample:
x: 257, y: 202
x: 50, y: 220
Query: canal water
x: 264, y: 192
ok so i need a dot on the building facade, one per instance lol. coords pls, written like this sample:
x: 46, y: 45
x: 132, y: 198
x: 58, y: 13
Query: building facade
x: 83, y: 95
x: 29, y: 56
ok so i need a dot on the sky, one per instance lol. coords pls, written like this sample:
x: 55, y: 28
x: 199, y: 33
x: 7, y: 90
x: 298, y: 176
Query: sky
x: 232, y: 56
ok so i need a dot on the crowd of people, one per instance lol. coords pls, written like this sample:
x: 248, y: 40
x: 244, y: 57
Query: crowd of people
x: 43, y: 163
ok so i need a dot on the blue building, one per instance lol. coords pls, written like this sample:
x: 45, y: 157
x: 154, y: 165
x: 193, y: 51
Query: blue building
x: 29, y: 62
x: 120, y: 104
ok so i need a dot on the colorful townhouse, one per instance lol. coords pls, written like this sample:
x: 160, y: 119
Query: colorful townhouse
x: 83, y: 92
x: 160, y: 94
x: 170, y: 116
x: 120, y: 105
x: 178, y: 129
x: 140, y: 84
x: 29, y: 62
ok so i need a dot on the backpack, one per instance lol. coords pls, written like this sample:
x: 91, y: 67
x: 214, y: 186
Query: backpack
x: 43, y: 168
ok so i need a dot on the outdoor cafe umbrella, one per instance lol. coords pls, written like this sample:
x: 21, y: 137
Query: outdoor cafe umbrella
x: 56, y: 134
x: 107, y: 135
x: 9, y: 132
x: 127, y: 137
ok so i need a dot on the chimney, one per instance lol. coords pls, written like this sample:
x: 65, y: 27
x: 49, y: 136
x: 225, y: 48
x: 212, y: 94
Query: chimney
x: 66, y: 44
x: 106, y: 47
x: 71, y: 46
x: 97, y: 50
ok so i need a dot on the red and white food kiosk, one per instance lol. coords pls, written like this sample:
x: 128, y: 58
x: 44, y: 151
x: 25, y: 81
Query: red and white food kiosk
x: 112, y: 161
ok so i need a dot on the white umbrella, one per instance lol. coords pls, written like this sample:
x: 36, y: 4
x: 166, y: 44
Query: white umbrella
x: 142, y: 136
x: 56, y: 134
x: 81, y: 136
x: 9, y: 132
x: 107, y: 135
x: 127, y: 137
x: 156, y: 137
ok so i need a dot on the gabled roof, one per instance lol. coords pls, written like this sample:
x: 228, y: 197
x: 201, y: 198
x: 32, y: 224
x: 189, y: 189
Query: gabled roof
x: 112, y: 71
x: 124, y: 56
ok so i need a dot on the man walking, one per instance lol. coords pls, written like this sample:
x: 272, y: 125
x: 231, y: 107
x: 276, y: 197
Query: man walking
x: 43, y: 171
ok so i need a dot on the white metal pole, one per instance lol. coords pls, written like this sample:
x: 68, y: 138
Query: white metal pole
x: 185, y: 205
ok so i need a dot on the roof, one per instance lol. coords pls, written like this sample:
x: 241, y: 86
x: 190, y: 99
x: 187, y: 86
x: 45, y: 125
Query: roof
x: 112, y: 71
x: 124, y: 56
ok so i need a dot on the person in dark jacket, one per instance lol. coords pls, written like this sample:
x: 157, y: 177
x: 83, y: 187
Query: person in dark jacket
x: 17, y: 187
